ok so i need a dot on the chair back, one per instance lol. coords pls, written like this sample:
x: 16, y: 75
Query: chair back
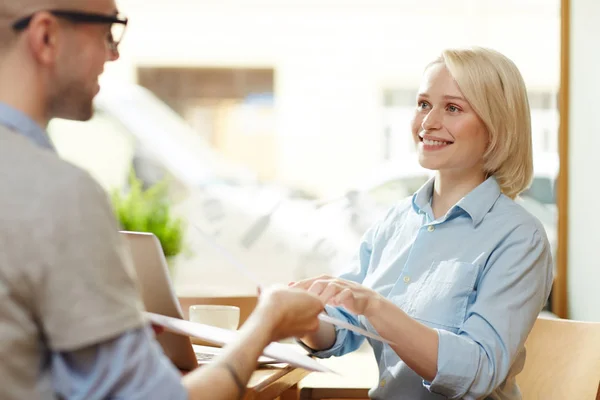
x: 563, y: 361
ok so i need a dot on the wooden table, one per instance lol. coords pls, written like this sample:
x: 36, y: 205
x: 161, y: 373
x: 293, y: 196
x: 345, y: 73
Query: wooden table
x: 358, y: 373
x: 272, y: 383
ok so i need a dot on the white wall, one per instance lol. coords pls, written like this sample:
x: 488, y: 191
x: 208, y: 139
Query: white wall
x: 584, y: 144
x: 332, y: 60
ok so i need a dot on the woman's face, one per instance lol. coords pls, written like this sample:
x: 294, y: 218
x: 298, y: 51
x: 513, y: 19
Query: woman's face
x: 449, y: 135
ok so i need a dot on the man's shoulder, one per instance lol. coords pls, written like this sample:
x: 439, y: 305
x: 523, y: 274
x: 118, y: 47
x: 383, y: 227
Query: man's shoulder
x: 41, y: 167
x: 34, y: 174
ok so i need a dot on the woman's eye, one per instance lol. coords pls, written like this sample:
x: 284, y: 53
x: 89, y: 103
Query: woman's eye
x: 422, y: 105
x: 453, y: 109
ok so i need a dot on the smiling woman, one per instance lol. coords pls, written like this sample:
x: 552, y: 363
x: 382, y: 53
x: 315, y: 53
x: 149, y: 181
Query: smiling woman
x: 455, y: 275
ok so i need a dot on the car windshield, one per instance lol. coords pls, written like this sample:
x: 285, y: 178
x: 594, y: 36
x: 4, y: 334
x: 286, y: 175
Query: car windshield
x: 542, y: 189
x: 391, y: 191
x: 102, y: 145
x: 183, y: 151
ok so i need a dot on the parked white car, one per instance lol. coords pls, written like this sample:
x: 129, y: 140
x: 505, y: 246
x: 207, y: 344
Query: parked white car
x: 279, y: 238
x: 364, y: 204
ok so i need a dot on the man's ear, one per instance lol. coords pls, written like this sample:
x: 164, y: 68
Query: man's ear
x: 42, y: 37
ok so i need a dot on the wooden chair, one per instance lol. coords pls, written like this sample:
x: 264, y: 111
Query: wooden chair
x: 563, y: 361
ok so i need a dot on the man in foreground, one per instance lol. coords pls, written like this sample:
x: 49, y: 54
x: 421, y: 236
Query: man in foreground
x: 71, y: 322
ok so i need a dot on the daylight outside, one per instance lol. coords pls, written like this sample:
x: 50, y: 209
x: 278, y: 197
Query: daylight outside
x: 281, y: 131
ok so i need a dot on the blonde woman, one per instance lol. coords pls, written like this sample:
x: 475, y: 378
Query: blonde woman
x: 456, y: 275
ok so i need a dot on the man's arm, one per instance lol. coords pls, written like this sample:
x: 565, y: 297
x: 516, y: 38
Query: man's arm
x: 87, y: 305
x: 227, y: 377
x: 130, y: 366
x: 281, y: 313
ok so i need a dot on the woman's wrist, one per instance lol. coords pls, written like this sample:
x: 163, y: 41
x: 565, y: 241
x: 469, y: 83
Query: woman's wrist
x: 374, y: 306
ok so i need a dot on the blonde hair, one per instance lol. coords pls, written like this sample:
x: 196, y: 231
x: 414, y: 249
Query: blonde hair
x: 494, y: 87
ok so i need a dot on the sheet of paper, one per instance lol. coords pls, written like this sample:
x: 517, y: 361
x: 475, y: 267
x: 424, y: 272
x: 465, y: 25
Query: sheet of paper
x: 334, y: 321
x: 215, y: 351
x: 242, y: 268
x: 219, y: 336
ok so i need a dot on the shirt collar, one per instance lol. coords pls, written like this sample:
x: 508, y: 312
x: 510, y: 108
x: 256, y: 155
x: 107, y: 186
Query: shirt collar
x: 421, y: 200
x: 477, y: 203
x: 19, y: 122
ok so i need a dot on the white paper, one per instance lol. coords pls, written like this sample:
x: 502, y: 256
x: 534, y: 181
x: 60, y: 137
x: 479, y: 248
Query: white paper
x: 220, y: 336
x: 350, y: 327
x: 214, y: 351
x: 241, y: 267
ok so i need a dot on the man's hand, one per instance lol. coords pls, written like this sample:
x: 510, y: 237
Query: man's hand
x: 290, y: 312
x: 157, y: 329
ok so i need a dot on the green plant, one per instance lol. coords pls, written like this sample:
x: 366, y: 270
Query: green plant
x: 149, y: 210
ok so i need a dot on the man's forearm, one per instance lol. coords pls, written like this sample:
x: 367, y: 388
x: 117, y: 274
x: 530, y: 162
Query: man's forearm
x: 220, y: 380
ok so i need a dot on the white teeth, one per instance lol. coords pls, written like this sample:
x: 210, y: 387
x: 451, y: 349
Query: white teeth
x: 429, y: 142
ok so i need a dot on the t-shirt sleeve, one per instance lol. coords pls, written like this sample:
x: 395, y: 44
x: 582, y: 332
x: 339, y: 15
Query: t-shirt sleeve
x: 86, y: 292
x: 131, y: 366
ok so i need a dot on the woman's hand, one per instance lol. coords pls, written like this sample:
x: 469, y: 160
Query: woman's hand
x: 419, y: 343
x: 354, y: 297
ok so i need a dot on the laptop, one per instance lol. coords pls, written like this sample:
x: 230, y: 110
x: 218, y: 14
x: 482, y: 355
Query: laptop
x: 159, y: 297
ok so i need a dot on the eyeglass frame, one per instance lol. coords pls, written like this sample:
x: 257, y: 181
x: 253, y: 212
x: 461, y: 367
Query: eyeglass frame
x: 80, y: 17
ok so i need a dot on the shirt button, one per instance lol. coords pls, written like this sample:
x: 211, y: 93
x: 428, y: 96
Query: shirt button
x: 382, y: 383
x: 431, y: 228
x: 406, y: 279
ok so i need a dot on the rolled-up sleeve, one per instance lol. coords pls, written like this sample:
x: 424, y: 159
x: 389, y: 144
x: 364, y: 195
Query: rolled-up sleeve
x: 131, y: 366
x: 345, y: 341
x: 510, y: 294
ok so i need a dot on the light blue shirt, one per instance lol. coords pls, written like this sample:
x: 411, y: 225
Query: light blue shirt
x: 479, y: 276
x: 130, y: 366
x: 17, y: 121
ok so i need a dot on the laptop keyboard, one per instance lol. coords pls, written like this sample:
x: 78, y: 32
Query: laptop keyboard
x: 204, y: 357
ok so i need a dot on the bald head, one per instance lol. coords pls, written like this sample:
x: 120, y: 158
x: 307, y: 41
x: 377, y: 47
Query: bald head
x: 13, y: 10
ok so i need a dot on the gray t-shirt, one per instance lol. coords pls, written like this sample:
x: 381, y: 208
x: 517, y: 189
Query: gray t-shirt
x: 66, y: 279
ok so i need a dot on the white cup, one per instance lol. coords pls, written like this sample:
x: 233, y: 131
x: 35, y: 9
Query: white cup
x: 226, y: 317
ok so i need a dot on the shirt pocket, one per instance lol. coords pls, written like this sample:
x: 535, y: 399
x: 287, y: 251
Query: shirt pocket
x: 443, y: 294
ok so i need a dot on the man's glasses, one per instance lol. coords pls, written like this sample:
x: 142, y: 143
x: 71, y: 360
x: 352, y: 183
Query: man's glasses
x: 117, y: 23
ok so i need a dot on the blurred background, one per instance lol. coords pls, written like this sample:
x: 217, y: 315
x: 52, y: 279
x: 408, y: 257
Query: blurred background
x: 279, y: 130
